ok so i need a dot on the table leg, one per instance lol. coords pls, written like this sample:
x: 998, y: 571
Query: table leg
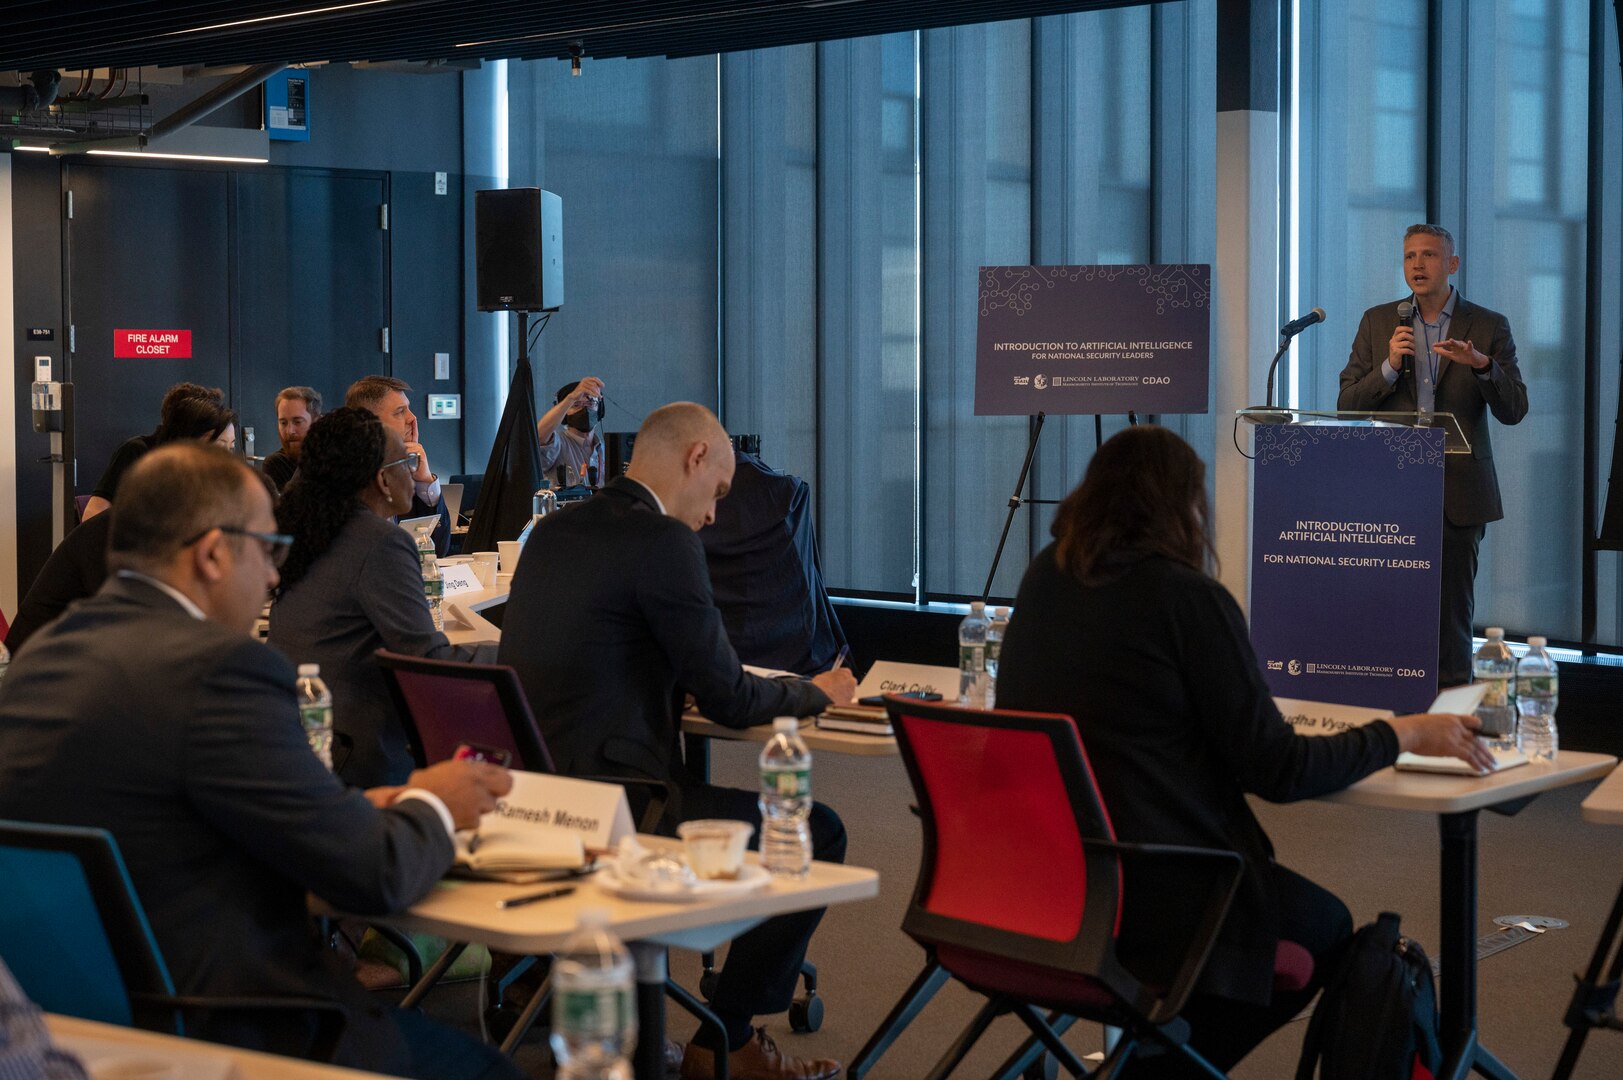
x: 649, y: 1063
x: 696, y: 752
x: 1461, y: 1052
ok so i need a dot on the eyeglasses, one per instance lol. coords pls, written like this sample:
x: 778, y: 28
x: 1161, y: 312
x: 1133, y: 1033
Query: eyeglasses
x: 276, y: 545
x: 410, y: 461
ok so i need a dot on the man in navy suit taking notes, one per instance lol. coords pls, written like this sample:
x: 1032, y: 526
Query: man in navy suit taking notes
x: 628, y: 568
x: 1455, y: 357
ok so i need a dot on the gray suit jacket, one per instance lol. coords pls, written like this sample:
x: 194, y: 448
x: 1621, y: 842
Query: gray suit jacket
x: 182, y: 738
x: 1470, y: 484
x: 363, y: 594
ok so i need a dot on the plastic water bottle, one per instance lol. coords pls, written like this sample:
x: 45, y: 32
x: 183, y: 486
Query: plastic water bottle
x: 994, y: 651
x: 315, y: 711
x: 594, y: 1004
x: 786, y: 801
x: 542, y: 503
x: 973, y: 679
x: 433, y: 580
x: 1538, y: 689
x: 1495, y: 665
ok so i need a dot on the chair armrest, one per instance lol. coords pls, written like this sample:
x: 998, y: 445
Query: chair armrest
x: 331, y: 1016
x: 660, y: 795
x: 1225, y: 868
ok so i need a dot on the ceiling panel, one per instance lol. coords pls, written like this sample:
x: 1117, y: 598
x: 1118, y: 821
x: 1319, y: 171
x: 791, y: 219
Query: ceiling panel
x: 104, y: 33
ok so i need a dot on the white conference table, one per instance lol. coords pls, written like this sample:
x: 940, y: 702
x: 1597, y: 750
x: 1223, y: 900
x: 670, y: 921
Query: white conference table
x: 467, y: 911
x: 1604, y: 806
x: 480, y: 629
x: 1457, y: 800
x: 853, y: 743
x: 191, y: 1059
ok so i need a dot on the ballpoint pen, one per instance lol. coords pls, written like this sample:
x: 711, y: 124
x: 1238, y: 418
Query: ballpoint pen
x: 520, y: 901
x: 839, y: 659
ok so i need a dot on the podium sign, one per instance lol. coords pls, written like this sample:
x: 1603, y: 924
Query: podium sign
x: 1093, y: 339
x: 1347, y: 544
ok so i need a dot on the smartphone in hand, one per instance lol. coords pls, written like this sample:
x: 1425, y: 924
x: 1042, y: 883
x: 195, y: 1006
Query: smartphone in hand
x: 469, y: 751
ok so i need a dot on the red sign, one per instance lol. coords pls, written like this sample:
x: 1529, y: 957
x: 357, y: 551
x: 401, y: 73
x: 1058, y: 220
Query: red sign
x: 152, y: 344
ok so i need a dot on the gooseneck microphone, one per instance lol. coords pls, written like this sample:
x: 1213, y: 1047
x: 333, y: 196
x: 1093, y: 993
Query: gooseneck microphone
x: 1286, y: 333
x: 1406, y: 318
x: 1296, y: 326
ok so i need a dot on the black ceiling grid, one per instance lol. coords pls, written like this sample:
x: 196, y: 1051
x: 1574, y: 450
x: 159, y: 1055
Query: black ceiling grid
x: 103, y: 33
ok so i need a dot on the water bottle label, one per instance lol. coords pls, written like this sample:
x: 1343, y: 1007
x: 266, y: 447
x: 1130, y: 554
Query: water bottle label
x: 1497, y: 694
x: 315, y: 717
x: 972, y: 658
x: 594, y: 1013
x: 788, y: 783
x: 1536, y: 685
x: 433, y: 588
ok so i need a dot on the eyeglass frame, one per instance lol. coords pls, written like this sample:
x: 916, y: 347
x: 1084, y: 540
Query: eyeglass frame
x: 276, y: 545
x: 411, y: 461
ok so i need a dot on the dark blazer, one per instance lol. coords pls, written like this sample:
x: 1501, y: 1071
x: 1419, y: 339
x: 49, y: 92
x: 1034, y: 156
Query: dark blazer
x: 764, y: 569
x: 1157, y: 670
x: 610, y: 612
x: 279, y: 468
x: 182, y: 738
x: 363, y: 594
x: 74, y: 571
x: 1470, y: 484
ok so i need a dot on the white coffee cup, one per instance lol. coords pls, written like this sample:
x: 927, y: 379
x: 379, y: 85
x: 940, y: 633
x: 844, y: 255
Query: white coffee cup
x: 508, y: 551
x: 484, y: 567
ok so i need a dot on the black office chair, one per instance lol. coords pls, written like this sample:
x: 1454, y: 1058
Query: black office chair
x: 75, y: 937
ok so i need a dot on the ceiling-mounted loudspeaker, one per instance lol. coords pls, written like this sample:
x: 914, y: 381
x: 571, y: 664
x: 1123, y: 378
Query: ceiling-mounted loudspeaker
x: 518, y: 249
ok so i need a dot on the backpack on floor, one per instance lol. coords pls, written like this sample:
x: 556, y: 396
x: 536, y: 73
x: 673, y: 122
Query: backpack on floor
x: 1377, y: 1018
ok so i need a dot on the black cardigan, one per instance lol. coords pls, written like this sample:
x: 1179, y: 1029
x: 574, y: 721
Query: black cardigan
x: 1158, y: 672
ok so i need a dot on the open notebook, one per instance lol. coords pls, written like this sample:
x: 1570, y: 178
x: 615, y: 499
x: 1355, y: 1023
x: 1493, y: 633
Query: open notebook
x: 1458, y: 699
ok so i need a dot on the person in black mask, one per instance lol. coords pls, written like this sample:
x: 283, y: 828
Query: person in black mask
x: 569, y: 434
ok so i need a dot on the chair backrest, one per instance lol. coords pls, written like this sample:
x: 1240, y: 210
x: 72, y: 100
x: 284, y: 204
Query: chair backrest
x: 1006, y: 799
x: 71, y: 928
x: 442, y: 703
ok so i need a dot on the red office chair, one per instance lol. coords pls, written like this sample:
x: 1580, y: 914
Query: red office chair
x: 444, y: 703
x: 1020, y: 888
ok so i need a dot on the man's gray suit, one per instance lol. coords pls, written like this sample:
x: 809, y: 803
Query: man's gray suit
x: 1470, y: 484
x: 182, y: 738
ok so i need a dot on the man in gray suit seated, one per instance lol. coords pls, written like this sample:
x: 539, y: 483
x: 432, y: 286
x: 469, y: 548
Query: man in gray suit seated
x: 149, y: 711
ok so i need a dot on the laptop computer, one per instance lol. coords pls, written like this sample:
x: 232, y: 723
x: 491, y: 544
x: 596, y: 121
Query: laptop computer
x: 1458, y: 699
x: 418, y: 525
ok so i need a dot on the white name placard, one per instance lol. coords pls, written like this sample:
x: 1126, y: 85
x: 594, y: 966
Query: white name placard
x: 888, y: 677
x: 460, y: 579
x: 596, y: 812
x: 1326, y: 718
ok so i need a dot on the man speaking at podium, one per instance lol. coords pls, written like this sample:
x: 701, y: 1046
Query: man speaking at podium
x: 1438, y: 352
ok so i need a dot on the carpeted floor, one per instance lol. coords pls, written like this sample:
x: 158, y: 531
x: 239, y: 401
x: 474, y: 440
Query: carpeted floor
x: 1544, y: 861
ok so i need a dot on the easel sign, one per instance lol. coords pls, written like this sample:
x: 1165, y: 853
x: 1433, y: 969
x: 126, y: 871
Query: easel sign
x: 1077, y: 340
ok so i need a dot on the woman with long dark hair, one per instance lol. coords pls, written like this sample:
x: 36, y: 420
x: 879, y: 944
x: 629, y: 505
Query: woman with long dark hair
x: 1118, y: 624
x: 352, y: 585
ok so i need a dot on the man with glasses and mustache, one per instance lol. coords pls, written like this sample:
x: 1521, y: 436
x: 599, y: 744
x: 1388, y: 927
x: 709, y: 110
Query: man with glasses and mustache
x: 353, y: 585
x: 148, y: 710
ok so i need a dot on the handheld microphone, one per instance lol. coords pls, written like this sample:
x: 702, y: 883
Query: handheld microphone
x: 1296, y: 326
x: 1406, y: 318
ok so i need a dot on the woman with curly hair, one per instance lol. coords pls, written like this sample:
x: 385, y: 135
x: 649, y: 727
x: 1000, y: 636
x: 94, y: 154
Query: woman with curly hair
x: 352, y: 585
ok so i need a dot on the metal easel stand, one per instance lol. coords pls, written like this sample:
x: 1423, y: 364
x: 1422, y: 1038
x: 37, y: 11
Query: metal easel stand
x: 1015, y: 500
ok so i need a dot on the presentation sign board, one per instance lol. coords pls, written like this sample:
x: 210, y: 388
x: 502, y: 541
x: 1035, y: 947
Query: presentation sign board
x: 1346, y: 551
x: 1093, y: 339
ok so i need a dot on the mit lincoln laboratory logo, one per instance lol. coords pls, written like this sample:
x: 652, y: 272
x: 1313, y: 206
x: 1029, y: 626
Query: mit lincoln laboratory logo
x: 1294, y: 667
x: 1039, y: 382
